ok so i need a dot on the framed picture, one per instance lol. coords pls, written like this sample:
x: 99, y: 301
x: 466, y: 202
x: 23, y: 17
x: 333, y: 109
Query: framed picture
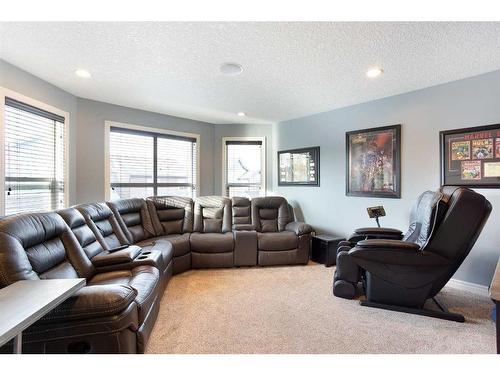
x: 471, y: 157
x: 298, y: 167
x: 373, y: 162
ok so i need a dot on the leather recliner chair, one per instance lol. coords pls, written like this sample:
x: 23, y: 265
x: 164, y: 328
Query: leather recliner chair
x: 280, y: 239
x: 172, y: 219
x: 127, y: 258
x: 114, y: 313
x: 402, y: 274
x: 212, y: 242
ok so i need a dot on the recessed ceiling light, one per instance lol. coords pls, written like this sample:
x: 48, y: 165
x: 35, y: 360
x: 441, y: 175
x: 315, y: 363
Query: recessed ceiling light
x: 82, y: 73
x: 374, y: 72
x: 242, y: 114
x: 231, y: 69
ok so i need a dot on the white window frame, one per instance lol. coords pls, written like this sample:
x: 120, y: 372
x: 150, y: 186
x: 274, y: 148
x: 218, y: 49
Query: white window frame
x: 263, y: 161
x: 4, y: 92
x: 107, y: 167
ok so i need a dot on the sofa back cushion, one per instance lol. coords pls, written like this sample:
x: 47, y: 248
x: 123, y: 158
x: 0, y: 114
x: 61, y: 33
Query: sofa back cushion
x: 39, y: 246
x: 171, y: 215
x: 103, y: 223
x: 242, y: 217
x: 212, y: 214
x: 86, y: 238
x: 270, y: 214
x: 134, y: 218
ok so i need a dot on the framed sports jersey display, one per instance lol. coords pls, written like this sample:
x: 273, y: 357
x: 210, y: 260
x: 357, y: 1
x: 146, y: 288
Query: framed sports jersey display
x: 471, y: 157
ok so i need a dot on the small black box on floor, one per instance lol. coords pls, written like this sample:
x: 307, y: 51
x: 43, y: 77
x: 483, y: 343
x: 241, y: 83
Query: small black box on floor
x: 324, y: 249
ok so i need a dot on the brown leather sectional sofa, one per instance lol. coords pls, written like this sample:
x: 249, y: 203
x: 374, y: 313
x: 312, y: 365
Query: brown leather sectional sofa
x: 128, y: 250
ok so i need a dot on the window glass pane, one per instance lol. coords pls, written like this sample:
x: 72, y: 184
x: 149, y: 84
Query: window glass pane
x: 243, y: 163
x: 133, y: 174
x: 176, y: 161
x: 130, y: 158
x: 243, y: 169
x: 181, y: 191
x: 34, y: 161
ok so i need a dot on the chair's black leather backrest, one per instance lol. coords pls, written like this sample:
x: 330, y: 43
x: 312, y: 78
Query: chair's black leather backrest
x: 459, y: 229
x: 425, y: 216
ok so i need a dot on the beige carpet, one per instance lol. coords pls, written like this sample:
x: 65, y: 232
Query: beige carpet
x: 292, y: 310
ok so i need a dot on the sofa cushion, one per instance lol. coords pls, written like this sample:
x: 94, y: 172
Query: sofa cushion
x: 277, y: 241
x: 82, y: 231
x: 134, y: 218
x: 104, y: 224
x: 180, y: 243
x: 171, y: 215
x: 212, y: 242
x: 159, y: 244
x: 212, y: 214
x: 270, y: 214
x: 145, y: 280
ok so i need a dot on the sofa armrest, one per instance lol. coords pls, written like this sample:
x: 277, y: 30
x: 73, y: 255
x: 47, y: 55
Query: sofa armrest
x: 394, y: 252
x: 388, y: 244
x: 116, y: 257
x: 299, y: 228
x: 375, y: 231
x: 93, y: 301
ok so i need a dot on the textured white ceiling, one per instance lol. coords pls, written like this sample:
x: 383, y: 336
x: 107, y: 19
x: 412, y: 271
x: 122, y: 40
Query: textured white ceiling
x: 290, y: 69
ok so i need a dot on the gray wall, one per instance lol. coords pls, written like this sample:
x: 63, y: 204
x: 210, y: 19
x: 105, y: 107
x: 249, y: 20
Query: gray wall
x: 242, y: 130
x: 469, y: 102
x: 90, y: 144
x: 27, y: 84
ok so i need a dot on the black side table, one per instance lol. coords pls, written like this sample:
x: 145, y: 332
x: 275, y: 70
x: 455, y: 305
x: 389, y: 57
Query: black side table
x: 324, y: 249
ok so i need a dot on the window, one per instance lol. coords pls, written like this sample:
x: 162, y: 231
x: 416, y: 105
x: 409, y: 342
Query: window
x: 145, y: 163
x: 34, y: 159
x: 244, y: 172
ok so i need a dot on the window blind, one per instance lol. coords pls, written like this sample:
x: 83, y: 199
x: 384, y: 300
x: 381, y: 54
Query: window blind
x: 34, y: 159
x: 143, y: 164
x: 244, y: 168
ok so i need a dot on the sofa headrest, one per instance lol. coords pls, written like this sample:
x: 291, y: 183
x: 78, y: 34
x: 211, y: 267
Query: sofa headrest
x: 170, y: 202
x: 95, y: 211
x: 72, y: 217
x: 240, y: 202
x: 125, y: 206
x: 33, y: 228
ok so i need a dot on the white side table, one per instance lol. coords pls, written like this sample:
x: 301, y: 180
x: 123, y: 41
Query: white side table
x: 26, y: 301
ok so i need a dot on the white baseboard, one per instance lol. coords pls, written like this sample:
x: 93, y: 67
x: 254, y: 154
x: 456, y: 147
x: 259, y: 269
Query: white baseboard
x: 478, y: 289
